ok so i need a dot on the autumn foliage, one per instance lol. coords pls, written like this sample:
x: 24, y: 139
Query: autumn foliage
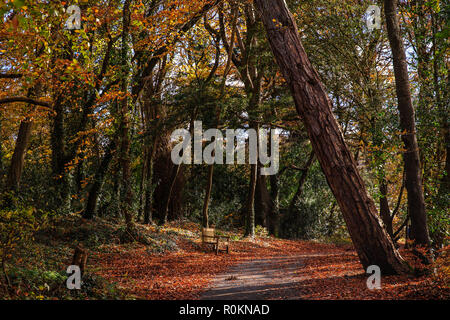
x: 87, y: 113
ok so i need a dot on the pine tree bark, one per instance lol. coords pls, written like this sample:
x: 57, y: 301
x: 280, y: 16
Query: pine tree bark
x: 372, y: 243
x: 411, y: 158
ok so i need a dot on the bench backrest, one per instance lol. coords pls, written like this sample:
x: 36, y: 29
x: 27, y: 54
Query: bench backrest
x: 208, y: 235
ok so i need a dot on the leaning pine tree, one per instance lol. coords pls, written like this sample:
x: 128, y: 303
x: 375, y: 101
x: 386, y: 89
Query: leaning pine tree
x: 371, y: 241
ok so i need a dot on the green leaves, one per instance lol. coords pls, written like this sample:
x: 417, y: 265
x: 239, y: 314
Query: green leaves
x: 18, y: 3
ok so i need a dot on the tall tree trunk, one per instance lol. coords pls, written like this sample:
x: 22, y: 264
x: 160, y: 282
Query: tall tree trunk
x: 91, y: 204
x: 174, y: 174
x: 127, y: 197
x: 148, y: 206
x: 372, y: 243
x: 250, y: 212
x: 411, y: 157
x: 209, y: 183
x: 23, y: 137
x: 274, y: 214
x: 263, y: 200
x: 59, y: 161
x: 173, y: 180
x: 18, y: 158
x: 254, y: 102
x: 385, y: 212
x: 162, y: 177
x: 145, y: 155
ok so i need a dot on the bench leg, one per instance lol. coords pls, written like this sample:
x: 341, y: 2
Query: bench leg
x: 217, y: 247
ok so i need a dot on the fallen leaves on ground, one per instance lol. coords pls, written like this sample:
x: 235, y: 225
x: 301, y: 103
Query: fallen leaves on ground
x: 329, y: 271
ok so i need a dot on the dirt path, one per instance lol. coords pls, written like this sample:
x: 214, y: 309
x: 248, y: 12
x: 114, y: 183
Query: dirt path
x: 260, y: 279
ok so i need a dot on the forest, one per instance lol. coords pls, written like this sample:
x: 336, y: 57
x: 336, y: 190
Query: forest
x: 310, y: 137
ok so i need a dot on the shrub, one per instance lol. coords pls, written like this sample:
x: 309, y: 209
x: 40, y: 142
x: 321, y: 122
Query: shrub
x: 16, y: 227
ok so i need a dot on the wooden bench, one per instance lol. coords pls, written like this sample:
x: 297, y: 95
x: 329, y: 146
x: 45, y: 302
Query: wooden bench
x: 209, y: 237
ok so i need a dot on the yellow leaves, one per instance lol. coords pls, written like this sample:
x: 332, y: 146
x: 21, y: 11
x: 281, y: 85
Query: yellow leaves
x: 16, y: 226
x: 277, y: 23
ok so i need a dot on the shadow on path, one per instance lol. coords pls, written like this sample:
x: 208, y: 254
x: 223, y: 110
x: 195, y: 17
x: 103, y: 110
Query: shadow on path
x: 260, y: 279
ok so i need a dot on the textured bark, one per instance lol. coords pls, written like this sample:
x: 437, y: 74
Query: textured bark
x: 127, y: 197
x: 91, y: 205
x: 18, y: 158
x: 148, y: 206
x: 372, y: 243
x: 163, y: 181
x: 173, y: 180
x: 263, y: 201
x: 142, y: 184
x: 79, y: 258
x: 411, y: 157
x: 250, y: 214
x: 274, y: 214
x: 209, y: 184
x: 59, y: 160
x: 151, y: 98
x: 385, y: 212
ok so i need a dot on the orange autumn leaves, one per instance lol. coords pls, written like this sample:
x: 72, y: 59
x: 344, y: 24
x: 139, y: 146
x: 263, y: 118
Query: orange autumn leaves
x: 327, y: 271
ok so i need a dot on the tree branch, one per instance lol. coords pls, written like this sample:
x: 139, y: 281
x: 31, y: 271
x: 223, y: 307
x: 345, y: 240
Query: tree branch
x: 26, y: 100
x: 10, y: 75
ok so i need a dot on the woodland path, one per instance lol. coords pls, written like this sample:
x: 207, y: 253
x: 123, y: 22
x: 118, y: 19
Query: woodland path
x: 259, y: 279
